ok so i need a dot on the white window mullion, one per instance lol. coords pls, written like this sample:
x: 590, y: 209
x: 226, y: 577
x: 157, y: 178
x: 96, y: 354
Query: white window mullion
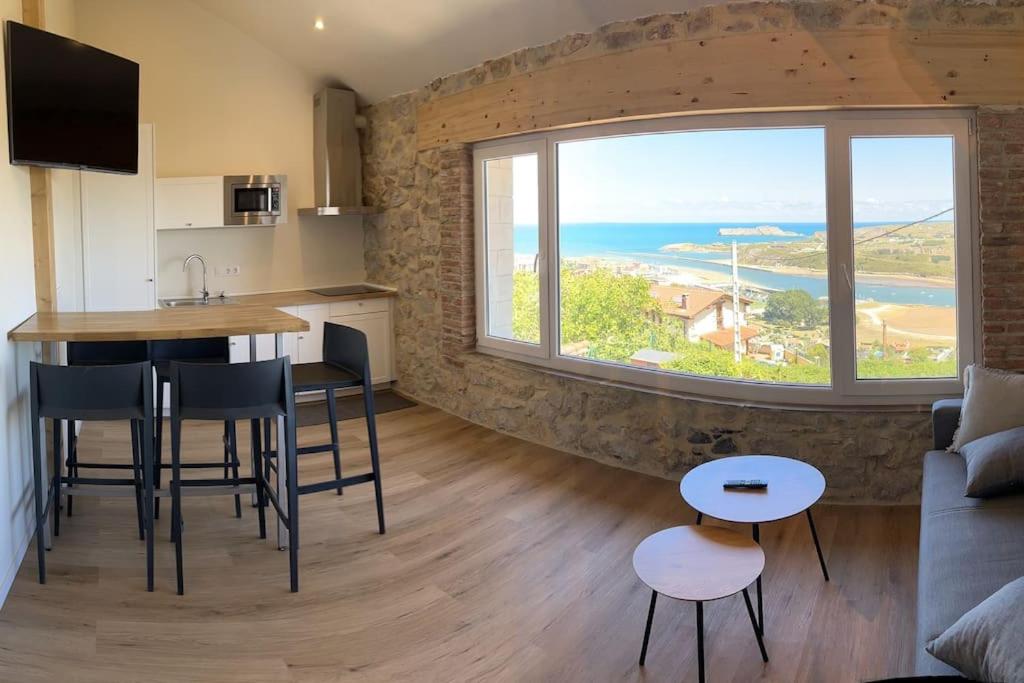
x: 968, y: 256
x: 842, y: 318
x: 550, y: 259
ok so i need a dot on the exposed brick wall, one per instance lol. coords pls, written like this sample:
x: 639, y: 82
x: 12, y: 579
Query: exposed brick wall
x: 458, y: 289
x: 1001, y: 199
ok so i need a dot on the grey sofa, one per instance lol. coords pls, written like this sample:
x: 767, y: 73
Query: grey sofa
x: 970, y: 547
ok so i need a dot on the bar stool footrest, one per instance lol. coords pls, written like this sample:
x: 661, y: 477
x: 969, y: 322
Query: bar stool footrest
x: 104, y: 466
x: 308, y: 450
x: 336, y: 483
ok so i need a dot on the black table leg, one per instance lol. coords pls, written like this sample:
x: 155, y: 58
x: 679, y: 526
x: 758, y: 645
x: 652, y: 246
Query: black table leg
x: 760, y: 607
x: 757, y: 633
x: 817, y: 546
x: 700, y: 518
x: 647, y: 631
x: 700, y: 641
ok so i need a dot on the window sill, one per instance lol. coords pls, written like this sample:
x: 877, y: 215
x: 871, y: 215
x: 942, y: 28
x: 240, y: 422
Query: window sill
x: 807, y: 399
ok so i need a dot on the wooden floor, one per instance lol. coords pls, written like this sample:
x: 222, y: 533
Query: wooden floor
x: 503, y: 561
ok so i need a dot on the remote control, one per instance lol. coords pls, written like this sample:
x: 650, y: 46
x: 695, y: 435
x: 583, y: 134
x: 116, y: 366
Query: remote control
x: 745, y: 484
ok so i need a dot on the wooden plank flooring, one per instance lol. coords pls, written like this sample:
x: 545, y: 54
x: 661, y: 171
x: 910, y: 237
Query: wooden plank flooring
x: 503, y: 561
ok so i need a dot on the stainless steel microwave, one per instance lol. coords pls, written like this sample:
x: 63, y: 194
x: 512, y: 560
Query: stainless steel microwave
x: 255, y: 199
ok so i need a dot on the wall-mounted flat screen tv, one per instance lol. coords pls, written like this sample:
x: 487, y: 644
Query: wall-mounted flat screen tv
x: 70, y: 105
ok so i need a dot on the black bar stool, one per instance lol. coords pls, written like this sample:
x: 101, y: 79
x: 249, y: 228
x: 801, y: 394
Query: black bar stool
x: 231, y: 392
x: 99, y: 392
x: 101, y: 353
x: 205, y: 350
x: 346, y: 365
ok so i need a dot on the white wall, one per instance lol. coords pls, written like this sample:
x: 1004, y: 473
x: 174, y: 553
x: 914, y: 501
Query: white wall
x: 64, y: 192
x: 17, y: 282
x: 224, y: 104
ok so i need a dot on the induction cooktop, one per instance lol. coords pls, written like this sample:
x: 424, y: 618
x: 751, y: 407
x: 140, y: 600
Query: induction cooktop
x: 348, y: 289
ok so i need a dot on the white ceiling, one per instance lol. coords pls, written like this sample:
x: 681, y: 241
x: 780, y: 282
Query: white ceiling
x: 381, y: 48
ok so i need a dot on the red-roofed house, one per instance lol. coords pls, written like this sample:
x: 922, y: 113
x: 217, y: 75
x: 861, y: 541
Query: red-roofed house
x: 706, y: 313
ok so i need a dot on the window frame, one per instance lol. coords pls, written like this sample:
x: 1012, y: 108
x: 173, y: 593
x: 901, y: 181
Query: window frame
x: 480, y: 157
x: 839, y: 128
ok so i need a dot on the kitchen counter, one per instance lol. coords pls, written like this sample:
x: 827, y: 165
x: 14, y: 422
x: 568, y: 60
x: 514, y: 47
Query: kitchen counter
x: 161, y: 323
x: 302, y: 297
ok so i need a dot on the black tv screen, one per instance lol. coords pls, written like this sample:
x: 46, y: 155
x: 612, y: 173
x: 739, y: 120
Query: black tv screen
x: 70, y: 105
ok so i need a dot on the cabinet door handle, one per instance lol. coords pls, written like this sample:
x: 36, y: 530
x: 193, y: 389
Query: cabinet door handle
x: 149, y: 279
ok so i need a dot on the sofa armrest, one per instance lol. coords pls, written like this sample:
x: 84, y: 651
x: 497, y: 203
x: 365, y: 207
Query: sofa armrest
x: 945, y: 420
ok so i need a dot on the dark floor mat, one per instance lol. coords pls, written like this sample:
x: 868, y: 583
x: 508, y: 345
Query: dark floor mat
x: 349, y: 407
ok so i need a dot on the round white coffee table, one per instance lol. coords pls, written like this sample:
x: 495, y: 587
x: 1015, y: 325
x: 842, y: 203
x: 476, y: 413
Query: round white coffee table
x: 793, y: 487
x: 698, y: 564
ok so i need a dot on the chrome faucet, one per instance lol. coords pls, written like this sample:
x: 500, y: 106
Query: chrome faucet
x: 204, y: 291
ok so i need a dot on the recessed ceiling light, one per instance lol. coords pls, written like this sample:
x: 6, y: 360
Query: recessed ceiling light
x: 318, y: 24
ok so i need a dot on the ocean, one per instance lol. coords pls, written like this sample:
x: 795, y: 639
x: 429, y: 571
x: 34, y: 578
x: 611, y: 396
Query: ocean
x: 642, y: 242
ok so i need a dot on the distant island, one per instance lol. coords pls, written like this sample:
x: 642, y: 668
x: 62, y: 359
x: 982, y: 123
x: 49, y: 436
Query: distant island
x: 697, y: 248
x: 759, y: 231
x: 921, y: 251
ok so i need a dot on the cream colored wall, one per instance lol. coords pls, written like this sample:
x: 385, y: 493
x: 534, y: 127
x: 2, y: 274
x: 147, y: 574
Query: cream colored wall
x: 224, y: 104
x: 64, y: 192
x: 17, y: 284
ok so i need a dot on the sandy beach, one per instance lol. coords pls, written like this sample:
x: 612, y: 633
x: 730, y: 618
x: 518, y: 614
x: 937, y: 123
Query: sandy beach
x: 872, y: 278
x: 918, y: 325
x: 681, y: 274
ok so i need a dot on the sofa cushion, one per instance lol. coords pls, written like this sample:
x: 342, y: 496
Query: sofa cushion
x: 995, y: 463
x: 988, y: 642
x: 993, y: 402
x: 970, y: 548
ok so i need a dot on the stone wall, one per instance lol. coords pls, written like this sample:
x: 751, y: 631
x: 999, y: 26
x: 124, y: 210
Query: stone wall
x: 422, y: 244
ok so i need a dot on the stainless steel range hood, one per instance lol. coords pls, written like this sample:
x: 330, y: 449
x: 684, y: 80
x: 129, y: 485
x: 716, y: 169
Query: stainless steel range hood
x: 337, y: 166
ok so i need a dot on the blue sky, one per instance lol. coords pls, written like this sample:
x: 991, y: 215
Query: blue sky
x: 738, y: 175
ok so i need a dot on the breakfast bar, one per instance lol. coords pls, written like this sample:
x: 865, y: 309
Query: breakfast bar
x: 163, y: 324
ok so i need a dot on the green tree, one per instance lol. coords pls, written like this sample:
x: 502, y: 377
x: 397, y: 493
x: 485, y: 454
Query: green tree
x: 614, y: 313
x: 616, y: 316
x: 796, y: 308
x: 705, y: 359
x: 526, y: 306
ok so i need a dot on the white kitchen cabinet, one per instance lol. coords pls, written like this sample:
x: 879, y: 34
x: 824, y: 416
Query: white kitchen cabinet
x: 290, y: 339
x: 374, y: 305
x: 311, y: 343
x: 371, y: 316
x: 185, y: 203
x: 239, y: 345
x: 377, y: 328
x: 118, y: 242
x: 239, y: 348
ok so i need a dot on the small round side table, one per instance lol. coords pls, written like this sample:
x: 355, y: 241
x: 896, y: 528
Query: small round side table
x: 793, y: 487
x: 698, y: 564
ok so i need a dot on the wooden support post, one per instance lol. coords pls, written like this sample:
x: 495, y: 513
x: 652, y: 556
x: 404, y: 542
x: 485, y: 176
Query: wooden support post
x: 33, y: 13
x: 42, y: 240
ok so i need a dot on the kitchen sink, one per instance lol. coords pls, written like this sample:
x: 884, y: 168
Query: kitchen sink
x: 196, y: 301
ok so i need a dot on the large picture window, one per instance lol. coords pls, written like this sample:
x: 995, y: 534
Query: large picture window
x: 780, y: 257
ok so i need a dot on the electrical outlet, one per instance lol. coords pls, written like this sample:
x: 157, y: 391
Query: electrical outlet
x: 231, y: 271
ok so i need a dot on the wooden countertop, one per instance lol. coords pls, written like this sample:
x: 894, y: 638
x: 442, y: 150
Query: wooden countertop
x: 301, y: 297
x: 161, y: 323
